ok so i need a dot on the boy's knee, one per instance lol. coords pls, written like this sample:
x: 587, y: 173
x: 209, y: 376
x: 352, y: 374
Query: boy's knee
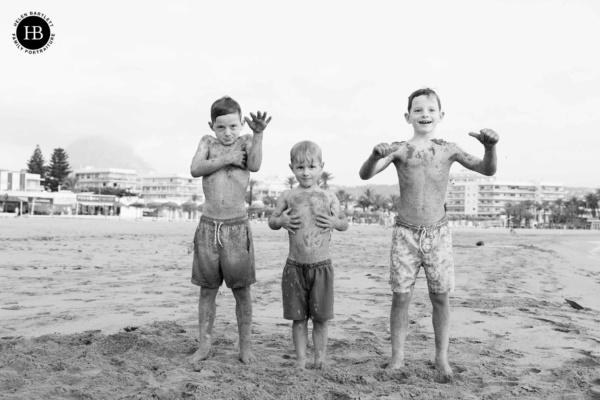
x: 440, y: 299
x: 401, y: 298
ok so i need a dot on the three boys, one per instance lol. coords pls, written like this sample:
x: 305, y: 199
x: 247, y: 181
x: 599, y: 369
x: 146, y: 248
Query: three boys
x: 421, y: 235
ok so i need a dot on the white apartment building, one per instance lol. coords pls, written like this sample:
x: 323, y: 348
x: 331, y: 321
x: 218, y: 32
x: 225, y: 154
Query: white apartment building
x: 478, y: 195
x: 23, y: 181
x: 272, y: 186
x: 177, y: 188
x: 108, y: 177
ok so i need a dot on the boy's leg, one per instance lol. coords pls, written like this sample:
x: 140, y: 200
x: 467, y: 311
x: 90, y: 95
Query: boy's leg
x: 207, y: 308
x: 300, y: 337
x: 441, y: 328
x: 319, y: 335
x: 243, y: 312
x: 399, y: 327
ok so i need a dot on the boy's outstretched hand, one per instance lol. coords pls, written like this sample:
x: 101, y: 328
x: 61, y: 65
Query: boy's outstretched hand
x: 487, y: 137
x: 382, y: 150
x: 259, y: 122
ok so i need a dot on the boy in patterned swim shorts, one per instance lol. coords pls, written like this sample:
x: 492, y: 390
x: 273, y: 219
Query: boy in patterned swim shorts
x: 310, y: 214
x: 421, y: 235
x: 223, y: 247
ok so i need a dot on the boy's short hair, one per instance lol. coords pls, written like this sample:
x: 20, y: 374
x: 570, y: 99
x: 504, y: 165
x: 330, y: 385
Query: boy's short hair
x: 306, y: 151
x: 423, y: 92
x: 225, y: 105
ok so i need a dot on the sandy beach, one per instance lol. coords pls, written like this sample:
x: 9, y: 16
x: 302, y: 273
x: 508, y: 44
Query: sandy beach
x: 104, y: 309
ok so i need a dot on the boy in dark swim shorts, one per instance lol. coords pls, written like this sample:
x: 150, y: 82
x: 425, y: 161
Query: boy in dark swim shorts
x: 421, y: 236
x: 309, y: 213
x: 223, y: 247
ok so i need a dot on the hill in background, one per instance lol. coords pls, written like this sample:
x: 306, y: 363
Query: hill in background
x: 104, y: 152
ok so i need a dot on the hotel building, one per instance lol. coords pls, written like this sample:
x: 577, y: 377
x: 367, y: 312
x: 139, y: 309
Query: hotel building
x: 108, y: 178
x: 177, y: 188
x: 478, y: 195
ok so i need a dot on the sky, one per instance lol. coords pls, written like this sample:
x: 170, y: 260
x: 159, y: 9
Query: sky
x: 336, y: 72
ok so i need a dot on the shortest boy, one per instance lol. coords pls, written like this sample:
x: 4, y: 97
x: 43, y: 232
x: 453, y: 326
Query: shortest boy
x: 309, y: 213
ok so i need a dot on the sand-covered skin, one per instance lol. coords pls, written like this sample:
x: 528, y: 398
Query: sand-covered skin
x: 104, y: 309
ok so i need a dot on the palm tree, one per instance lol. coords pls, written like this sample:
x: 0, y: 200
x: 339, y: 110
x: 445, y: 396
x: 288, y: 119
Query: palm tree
x: 249, y: 194
x: 70, y: 183
x: 269, y: 201
x: 326, y: 177
x: 395, y: 200
x: 290, y: 181
x: 343, y: 197
x: 366, y: 200
x: 591, y: 200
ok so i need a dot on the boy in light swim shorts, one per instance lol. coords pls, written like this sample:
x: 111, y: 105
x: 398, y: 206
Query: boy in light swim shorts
x: 310, y: 214
x: 421, y: 236
x: 223, y: 247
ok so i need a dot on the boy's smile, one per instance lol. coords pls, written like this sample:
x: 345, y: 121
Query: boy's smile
x: 307, y: 173
x: 227, y: 128
x: 424, y: 114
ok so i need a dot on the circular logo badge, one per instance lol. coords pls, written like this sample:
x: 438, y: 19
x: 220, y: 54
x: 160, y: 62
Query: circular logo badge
x: 33, y: 34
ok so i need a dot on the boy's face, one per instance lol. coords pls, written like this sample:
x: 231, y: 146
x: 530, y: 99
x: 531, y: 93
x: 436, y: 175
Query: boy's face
x: 307, y: 173
x: 227, y: 128
x: 424, y: 114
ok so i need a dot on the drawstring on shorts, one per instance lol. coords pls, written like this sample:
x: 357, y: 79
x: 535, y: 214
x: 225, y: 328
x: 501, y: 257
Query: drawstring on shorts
x: 218, y: 233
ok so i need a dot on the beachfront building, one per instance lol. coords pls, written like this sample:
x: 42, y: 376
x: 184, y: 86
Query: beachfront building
x: 269, y: 186
x: 22, y: 180
x: 470, y: 194
x: 116, y: 178
x: 176, y: 188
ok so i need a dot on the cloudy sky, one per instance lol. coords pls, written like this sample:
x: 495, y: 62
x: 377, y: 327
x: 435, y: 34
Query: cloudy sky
x: 337, y: 72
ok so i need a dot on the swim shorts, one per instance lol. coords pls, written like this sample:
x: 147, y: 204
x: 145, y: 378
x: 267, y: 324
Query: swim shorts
x: 223, y: 250
x: 307, y: 291
x: 415, y: 246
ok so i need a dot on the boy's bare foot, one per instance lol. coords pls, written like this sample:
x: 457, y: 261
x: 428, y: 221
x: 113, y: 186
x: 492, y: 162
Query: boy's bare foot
x: 300, y: 363
x: 246, y: 354
x: 395, y: 363
x: 319, y: 364
x: 203, y: 352
x: 443, y: 367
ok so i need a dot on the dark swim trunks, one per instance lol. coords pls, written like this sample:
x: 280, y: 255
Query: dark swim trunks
x: 307, y: 291
x: 223, y: 250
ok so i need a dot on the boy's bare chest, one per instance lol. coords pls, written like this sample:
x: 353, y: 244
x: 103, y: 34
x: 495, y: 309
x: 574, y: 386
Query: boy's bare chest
x: 309, y: 204
x: 432, y: 157
x: 216, y: 149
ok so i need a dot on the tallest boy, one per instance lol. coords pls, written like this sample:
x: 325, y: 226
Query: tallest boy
x: 223, y: 248
x: 421, y: 235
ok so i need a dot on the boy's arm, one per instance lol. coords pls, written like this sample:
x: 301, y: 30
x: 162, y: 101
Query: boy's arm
x: 258, y: 124
x: 489, y: 164
x: 337, y: 220
x: 202, y: 166
x: 381, y: 157
x: 281, y: 217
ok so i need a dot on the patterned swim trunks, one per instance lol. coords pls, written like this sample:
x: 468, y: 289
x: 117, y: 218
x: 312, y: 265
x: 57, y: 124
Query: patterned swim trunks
x: 415, y: 246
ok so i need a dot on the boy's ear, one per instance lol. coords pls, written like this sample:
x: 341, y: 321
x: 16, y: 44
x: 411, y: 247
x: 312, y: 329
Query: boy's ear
x: 441, y: 115
x: 291, y: 168
x: 211, y: 125
x: 407, y: 117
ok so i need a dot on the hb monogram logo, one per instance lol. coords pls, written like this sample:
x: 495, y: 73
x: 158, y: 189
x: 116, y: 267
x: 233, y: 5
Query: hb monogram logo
x: 33, y: 34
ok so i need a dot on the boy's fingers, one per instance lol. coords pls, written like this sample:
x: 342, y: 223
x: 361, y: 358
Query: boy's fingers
x: 475, y: 135
x: 290, y: 231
